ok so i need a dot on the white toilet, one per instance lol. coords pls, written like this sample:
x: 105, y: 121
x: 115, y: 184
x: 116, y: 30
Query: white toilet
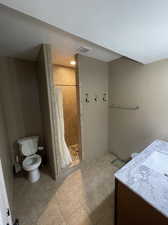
x: 28, y: 147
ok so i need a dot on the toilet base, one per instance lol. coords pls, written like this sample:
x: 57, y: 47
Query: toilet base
x: 34, y: 175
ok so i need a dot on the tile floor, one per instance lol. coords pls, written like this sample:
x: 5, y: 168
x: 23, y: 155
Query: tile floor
x: 85, y: 197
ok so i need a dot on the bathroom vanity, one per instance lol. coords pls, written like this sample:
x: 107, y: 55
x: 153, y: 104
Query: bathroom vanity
x: 141, y: 188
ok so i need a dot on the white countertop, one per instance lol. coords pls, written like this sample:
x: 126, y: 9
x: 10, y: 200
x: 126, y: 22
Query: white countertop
x: 147, y: 182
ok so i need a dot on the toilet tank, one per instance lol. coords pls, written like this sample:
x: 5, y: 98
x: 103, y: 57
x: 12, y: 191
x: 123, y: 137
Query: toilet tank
x: 28, y: 145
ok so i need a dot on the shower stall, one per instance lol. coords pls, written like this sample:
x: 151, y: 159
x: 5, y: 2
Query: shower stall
x: 67, y: 118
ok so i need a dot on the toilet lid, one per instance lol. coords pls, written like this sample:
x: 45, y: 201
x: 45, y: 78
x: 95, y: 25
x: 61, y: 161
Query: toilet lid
x: 28, y: 146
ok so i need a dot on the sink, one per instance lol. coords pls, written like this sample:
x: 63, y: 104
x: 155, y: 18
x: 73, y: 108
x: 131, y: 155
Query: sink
x: 158, y: 162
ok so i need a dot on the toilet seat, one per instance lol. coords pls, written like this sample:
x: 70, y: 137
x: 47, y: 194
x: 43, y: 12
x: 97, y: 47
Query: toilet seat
x: 31, y: 162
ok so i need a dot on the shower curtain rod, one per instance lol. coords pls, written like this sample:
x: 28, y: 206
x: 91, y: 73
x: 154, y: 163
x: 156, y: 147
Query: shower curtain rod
x: 67, y: 85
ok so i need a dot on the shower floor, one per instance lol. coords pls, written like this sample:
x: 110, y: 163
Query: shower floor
x: 74, y: 151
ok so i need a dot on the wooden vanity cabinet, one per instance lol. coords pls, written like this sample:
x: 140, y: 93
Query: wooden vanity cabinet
x: 130, y: 209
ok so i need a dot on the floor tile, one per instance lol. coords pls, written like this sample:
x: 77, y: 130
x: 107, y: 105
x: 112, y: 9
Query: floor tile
x: 51, y: 215
x: 80, y: 217
x: 84, y: 197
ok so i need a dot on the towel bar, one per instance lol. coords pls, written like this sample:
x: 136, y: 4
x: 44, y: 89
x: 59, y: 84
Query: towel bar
x: 124, y: 107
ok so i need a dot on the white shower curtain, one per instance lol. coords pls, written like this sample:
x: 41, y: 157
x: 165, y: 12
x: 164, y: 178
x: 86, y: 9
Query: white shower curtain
x: 65, y: 157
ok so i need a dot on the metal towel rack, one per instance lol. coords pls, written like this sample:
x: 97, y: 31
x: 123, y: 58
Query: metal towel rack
x: 114, y: 106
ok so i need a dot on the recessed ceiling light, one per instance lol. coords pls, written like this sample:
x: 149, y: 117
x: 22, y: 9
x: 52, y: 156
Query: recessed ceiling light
x: 73, y: 63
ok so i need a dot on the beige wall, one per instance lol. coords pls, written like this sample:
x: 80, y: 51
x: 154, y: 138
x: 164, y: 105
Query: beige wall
x: 45, y: 78
x: 93, y: 79
x: 131, y: 83
x: 20, y: 100
x: 66, y: 76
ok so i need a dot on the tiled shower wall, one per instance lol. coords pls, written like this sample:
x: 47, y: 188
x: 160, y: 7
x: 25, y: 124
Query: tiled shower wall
x: 66, y: 76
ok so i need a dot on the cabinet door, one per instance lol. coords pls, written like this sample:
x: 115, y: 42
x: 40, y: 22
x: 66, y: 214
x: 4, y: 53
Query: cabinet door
x: 133, y: 210
x: 5, y: 214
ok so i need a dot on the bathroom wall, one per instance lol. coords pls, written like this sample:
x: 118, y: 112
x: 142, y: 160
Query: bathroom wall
x: 93, y: 80
x: 45, y: 78
x: 20, y: 100
x: 132, y: 84
x: 66, y: 76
